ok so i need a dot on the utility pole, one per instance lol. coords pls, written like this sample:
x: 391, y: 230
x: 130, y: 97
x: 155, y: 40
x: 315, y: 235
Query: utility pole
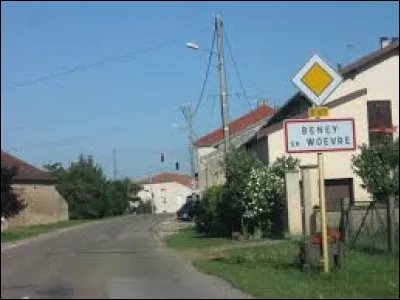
x: 115, y: 163
x: 222, y: 82
x: 187, y: 112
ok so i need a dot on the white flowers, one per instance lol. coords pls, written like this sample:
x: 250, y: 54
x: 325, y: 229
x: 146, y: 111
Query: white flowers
x: 263, y: 190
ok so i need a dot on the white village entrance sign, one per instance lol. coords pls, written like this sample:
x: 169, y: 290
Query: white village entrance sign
x: 319, y: 135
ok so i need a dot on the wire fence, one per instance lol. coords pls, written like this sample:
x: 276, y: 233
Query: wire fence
x: 364, y: 224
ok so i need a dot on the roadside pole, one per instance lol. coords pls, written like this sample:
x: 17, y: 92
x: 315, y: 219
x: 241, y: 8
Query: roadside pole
x: 151, y: 195
x: 325, y: 255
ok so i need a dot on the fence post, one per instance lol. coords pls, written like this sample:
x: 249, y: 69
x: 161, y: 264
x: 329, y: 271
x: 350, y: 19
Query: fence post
x: 345, y: 207
x: 391, y: 225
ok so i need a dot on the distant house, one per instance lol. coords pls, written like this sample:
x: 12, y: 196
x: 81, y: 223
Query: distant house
x: 169, y: 191
x: 37, y: 187
x: 210, y: 148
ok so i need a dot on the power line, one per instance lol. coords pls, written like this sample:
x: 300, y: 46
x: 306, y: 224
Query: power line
x: 78, y: 68
x: 236, y: 69
x: 201, y: 97
x: 69, y: 140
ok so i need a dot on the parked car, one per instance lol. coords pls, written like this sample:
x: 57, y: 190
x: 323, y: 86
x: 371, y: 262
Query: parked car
x: 188, y: 210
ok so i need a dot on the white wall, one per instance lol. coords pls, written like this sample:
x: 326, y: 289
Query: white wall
x: 174, y: 195
x: 210, y: 170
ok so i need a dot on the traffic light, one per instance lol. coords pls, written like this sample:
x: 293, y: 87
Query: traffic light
x: 162, y: 157
x: 177, y: 166
x: 196, y: 176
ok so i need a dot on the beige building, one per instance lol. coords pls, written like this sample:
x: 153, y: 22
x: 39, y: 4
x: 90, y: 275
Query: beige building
x: 169, y: 191
x: 37, y: 188
x: 369, y: 93
x: 210, y: 148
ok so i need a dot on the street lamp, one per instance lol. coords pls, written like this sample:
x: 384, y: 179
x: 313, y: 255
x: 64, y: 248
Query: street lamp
x: 193, y: 46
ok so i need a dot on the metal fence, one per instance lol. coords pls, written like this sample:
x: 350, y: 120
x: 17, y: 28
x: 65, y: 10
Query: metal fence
x: 364, y: 224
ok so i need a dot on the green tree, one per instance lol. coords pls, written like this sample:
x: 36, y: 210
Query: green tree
x: 82, y: 185
x: 88, y: 192
x: 378, y: 168
x: 11, y: 204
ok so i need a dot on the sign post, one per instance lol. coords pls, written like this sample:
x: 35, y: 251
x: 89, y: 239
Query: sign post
x: 317, y: 80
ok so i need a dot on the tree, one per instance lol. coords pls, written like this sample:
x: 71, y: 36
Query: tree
x: 82, y: 185
x: 11, y: 204
x: 88, y: 192
x: 378, y: 168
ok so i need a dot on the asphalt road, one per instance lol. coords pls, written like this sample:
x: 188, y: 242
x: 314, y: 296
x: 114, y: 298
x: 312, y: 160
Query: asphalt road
x: 115, y: 259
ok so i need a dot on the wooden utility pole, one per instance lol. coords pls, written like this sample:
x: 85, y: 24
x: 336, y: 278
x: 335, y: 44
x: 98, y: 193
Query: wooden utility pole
x: 222, y: 82
x: 187, y: 112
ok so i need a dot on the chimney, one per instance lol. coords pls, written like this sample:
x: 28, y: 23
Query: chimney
x: 384, y: 41
x: 262, y: 102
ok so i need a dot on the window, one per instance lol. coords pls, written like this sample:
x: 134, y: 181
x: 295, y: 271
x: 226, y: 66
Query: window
x: 379, y: 118
x: 164, y: 200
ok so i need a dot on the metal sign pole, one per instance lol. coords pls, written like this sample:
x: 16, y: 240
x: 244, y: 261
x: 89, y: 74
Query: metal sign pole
x: 325, y: 256
x: 324, y: 237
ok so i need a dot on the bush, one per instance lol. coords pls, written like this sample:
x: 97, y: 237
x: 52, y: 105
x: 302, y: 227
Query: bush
x: 378, y: 167
x: 207, y: 220
x: 239, y: 164
x: 264, y: 195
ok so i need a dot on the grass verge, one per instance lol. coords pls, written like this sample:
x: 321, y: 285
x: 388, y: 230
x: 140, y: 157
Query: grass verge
x: 27, y: 232
x: 188, y: 238
x: 16, y: 234
x: 271, y: 272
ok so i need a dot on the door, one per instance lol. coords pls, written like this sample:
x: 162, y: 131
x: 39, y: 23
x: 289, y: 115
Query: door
x: 337, y: 189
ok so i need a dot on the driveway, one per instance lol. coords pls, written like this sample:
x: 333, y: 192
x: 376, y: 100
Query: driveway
x: 108, y: 260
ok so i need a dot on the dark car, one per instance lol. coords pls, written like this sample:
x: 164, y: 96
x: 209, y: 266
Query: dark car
x: 188, y: 210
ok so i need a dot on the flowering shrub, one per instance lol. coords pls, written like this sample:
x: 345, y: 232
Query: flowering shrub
x: 265, y: 191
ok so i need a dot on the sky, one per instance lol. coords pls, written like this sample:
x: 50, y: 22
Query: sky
x: 89, y: 77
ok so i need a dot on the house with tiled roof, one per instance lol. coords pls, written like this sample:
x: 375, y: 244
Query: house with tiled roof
x: 209, y: 148
x: 167, y: 191
x: 369, y: 94
x: 37, y: 188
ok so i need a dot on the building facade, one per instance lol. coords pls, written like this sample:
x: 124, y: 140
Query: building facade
x: 37, y: 189
x: 369, y: 93
x: 209, y: 149
x: 168, y: 191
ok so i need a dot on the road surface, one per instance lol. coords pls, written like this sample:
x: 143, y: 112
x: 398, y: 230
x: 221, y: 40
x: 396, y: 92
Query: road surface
x: 115, y: 259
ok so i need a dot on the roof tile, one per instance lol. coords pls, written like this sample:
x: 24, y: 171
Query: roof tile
x: 25, y: 171
x: 262, y: 112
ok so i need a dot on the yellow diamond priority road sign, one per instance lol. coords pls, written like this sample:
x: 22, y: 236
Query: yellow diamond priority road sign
x: 317, y: 80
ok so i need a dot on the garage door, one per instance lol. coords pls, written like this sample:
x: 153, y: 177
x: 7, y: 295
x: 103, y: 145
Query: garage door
x: 337, y: 189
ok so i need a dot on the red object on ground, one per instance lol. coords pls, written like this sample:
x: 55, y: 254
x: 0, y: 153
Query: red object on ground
x: 333, y: 236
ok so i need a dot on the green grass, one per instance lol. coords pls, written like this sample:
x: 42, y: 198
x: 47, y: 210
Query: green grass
x: 189, y: 238
x: 27, y: 232
x: 271, y: 272
x: 31, y: 231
